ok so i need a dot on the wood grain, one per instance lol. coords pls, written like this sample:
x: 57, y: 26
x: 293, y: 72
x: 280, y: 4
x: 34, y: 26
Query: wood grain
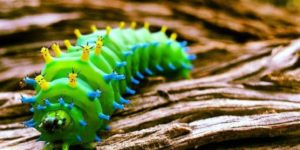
x: 244, y: 90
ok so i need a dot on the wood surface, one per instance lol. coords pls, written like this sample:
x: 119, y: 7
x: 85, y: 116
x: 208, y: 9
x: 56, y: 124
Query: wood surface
x: 244, y: 90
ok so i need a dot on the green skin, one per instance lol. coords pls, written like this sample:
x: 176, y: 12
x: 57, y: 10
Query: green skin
x: 91, y: 77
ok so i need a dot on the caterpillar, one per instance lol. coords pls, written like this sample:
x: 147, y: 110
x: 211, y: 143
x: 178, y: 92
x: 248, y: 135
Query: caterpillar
x: 78, y: 90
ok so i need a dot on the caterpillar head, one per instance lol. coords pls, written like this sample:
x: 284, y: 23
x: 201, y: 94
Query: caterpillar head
x: 60, y: 121
x: 68, y: 112
x: 55, y: 121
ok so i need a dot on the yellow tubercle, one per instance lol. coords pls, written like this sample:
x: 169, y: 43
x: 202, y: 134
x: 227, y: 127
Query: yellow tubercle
x: 40, y: 80
x: 163, y: 29
x: 85, y: 53
x: 99, y: 44
x: 72, y: 79
x: 108, y: 29
x: 122, y: 25
x: 93, y: 28
x: 133, y: 25
x: 55, y: 47
x: 46, y: 55
x: 77, y: 33
x: 67, y: 44
x: 146, y: 25
x: 173, y: 36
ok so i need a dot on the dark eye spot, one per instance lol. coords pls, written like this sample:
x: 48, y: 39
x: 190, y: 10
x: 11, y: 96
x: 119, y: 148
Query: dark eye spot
x: 52, y: 124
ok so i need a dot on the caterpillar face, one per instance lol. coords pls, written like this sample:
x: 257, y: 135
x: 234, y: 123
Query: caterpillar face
x: 55, y: 121
x: 61, y: 114
x: 73, y: 109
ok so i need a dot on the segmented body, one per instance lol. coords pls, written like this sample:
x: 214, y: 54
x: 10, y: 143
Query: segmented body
x: 82, y: 87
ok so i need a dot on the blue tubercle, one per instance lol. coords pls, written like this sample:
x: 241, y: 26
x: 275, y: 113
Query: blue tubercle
x: 103, y: 116
x: 183, y: 43
x: 140, y: 75
x: 113, y: 76
x: 148, y: 71
x: 185, y: 66
x: 117, y: 105
x: 134, y: 48
x: 28, y: 99
x: 40, y: 107
x: 121, y: 64
x: 61, y: 101
x: 83, y: 123
x: 124, y: 101
x: 159, y: 68
x: 186, y: 49
x: 30, y: 123
x: 155, y: 43
x: 70, y: 106
x: 97, y: 139
x: 94, y: 94
x: 130, y: 91
x: 78, y: 138
x: 107, y: 128
x: 145, y: 45
x: 29, y: 81
x: 171, y: 66
x: 47, y: 102
x: 191, y: 57
x: 135, y: 81
x: 31, y: 109
x: 127, y: 53
x: 169, y: 42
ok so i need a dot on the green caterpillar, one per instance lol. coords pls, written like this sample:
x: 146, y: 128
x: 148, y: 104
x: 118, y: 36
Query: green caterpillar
x: 78, y: 90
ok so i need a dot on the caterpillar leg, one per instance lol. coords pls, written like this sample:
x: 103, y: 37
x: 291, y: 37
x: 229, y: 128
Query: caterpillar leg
x: 89, y: 146
x: 65, y: 146
x: 49, y: 146
x: 52, y: 146
x: 185, y: 74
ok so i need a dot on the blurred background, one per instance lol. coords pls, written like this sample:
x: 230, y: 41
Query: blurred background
x: 247, y: 67
x: 290, y: 4
x: 27, y: 25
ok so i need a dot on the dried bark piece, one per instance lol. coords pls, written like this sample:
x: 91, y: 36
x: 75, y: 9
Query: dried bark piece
x: 27, y: 22
x: 201, y: 132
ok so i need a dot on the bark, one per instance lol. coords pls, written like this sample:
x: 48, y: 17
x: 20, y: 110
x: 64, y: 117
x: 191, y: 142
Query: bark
x: 244, y: 90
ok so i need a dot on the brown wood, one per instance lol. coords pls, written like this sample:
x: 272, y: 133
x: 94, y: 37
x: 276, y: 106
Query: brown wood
x: 244, y: 90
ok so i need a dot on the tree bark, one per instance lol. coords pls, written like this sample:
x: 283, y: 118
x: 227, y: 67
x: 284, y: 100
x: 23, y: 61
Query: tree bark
x: 244, y: 90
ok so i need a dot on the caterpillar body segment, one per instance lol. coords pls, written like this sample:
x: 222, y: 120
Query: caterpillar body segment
x: 78, y: 90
